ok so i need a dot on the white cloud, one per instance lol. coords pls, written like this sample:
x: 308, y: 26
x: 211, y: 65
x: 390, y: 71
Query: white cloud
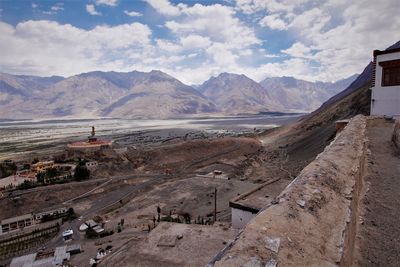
x: 92, y: 10
x: 217, y: 22
x: 273, y: 22
x: 133, y: 13
x: 49, y: 48
x: 195, y: 42
x: 107, y: 2
x: 34, y: 6
x: 57, y: 7
x: 298, y: 50
x: 334, y: 38
x: 164, y: 7
x: 168, y: 46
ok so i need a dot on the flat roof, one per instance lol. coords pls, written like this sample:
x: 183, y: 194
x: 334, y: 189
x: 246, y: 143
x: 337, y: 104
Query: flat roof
x: 16, y: 219
x: 60, y: 254
x: 45, y: 262
x: 387, y: 51
x: 26, y: 260
x: 256, y: 199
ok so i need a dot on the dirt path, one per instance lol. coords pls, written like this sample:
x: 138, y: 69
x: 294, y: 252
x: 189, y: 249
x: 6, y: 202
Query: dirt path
x: 380, y: 233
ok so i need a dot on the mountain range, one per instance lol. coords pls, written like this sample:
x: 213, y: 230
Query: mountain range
x: 156, y: 94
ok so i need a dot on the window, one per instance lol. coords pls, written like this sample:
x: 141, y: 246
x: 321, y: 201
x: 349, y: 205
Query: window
x: 390, y: 73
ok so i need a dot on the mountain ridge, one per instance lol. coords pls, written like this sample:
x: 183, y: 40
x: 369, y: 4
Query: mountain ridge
x: 133, y: 94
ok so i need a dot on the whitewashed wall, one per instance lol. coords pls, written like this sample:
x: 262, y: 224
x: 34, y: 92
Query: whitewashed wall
x: 386, y: 99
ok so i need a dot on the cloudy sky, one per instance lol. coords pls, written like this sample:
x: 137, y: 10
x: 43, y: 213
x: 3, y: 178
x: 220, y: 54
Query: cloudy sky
x: 193, y: 40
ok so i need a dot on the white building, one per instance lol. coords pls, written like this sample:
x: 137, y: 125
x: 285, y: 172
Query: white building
x: 91, y: 165
x: 385, y: 98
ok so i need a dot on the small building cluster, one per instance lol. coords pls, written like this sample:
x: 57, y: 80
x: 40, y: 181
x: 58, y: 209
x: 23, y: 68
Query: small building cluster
x: 59, y: 257
x: 92, y: 144
x: 93, y: 225
x: 23, y: 221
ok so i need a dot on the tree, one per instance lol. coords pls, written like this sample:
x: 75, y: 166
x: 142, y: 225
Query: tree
x: 158, y: 212
x: 90, y: 233
x: 81, y: 173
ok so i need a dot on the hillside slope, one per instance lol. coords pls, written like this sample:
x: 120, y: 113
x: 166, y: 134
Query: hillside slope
x: 304, y: 96
x: 112, y: 94
x: 237, y: 94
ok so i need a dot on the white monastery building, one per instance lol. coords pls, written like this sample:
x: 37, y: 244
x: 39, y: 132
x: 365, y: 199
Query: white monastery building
x: 385, y: 98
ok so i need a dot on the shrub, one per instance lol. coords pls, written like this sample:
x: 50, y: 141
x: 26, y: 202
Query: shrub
x: 81, y: 173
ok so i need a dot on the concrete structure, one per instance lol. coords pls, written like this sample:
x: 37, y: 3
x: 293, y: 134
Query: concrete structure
x: 385, y: 99
x: 340, y: 124
x: 15, y: 180
x: 56, y: 258
x: 20, y: 222
x: 92, y: 224
x: 53, y: 212
x: 26, y: 260
x: 312, y: 221
x: 92, y: 144
x: 91, y: 165
x: 15, y: 223
x: 42, y: 166
x: 246, y: 206
x: 74, y: 249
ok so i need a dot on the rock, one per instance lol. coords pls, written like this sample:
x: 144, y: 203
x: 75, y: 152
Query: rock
x: 271, y: 263
x: 275, y: 201
x: 301, y: 203
x: 253, y: 262
x: 272, y: 243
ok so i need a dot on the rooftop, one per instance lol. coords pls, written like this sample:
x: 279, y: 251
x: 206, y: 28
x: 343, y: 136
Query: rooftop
x: 387, y: 51
x: 260, y: 197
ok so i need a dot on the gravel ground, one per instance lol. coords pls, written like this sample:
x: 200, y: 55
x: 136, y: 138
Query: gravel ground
x: 380, y: 233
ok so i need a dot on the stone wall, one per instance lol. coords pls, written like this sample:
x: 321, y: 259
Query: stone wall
x: 315, y: 217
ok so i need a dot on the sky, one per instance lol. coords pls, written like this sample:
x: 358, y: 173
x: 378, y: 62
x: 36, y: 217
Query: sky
x: 324, y: 40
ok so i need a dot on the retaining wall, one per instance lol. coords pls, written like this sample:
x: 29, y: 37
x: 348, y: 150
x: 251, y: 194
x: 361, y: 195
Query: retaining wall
x: 316, y: 216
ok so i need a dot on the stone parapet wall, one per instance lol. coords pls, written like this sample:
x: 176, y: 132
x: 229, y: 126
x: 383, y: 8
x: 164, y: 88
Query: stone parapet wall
x: 314, y: 217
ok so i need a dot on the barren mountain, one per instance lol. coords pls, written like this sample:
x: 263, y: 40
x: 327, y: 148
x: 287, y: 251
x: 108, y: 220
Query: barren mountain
x: 236, y: 94
x: 129, y: 95
x: 299, y: 95
x: 159, y: 95
x: 154, y: 95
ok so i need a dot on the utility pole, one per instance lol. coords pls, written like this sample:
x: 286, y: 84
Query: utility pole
x: 215, y: 204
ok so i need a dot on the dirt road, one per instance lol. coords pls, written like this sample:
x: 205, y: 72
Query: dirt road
x: 380, y: 232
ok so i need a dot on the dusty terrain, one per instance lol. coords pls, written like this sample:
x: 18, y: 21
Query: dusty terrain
x: 139, y: 182
x: 379, y: 242
x: 172, y: 244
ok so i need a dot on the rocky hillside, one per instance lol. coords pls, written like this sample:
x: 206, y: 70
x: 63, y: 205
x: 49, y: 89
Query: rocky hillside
x: 112, y: 94
x: 299, y: 95
x: 154, y: 95
x: 236, y: 94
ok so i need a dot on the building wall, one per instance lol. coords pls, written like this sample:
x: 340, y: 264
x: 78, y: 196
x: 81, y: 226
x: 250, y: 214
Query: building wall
x: 385, y: 100
x: 16, y: 223
x: 241, y: 217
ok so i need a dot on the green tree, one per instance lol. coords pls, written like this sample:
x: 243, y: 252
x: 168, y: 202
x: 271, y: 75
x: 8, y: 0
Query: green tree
x: 81, y: 173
